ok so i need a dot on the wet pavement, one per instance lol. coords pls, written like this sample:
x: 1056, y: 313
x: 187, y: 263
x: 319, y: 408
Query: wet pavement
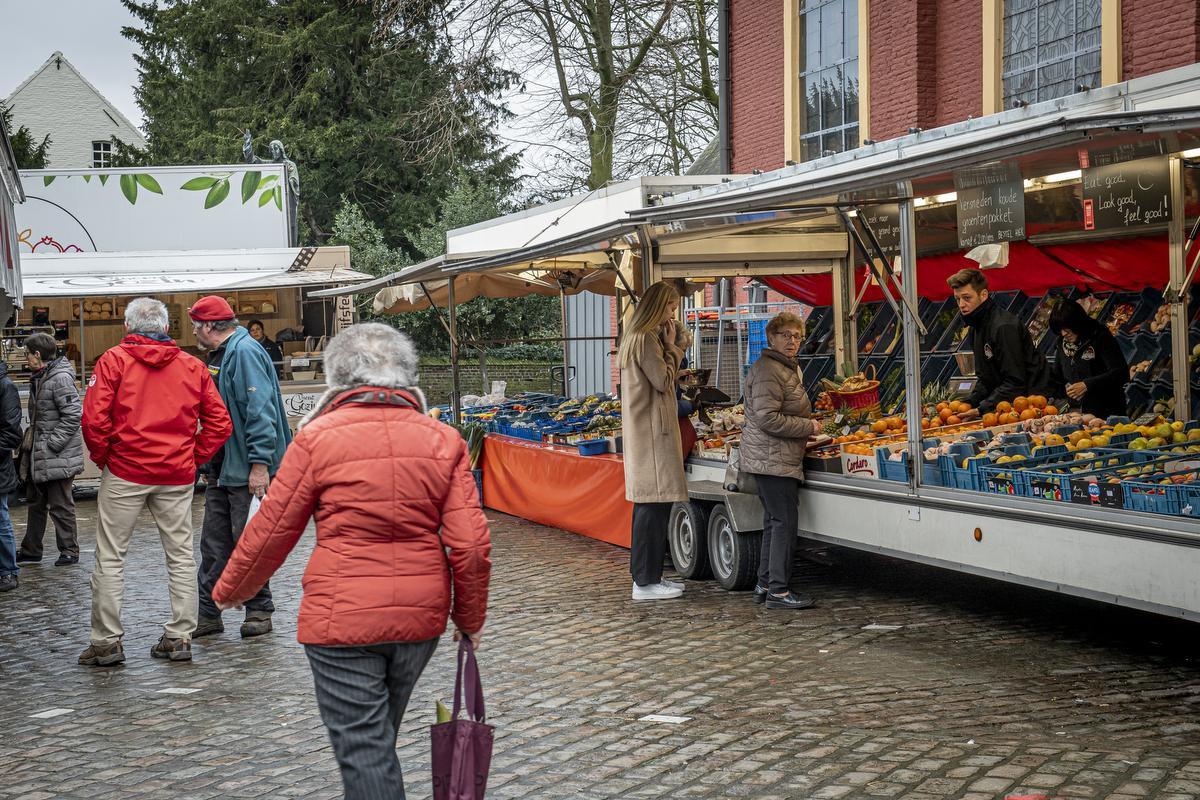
x: 906, y: 682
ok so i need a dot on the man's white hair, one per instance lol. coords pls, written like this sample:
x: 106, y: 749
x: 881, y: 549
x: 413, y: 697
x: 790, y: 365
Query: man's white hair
x: 146, y: 314
x: 368, y: 354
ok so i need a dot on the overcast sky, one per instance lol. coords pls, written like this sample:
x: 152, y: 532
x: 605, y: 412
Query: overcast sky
x: 88, y: 32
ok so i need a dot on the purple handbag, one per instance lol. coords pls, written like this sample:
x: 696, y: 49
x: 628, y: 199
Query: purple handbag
x: 462, y: 748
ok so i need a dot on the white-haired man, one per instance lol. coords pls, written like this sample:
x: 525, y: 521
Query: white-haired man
x: 144, y: 402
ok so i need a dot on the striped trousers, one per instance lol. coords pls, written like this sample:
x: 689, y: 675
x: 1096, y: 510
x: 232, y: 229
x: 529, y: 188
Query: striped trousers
x: 362, y: 693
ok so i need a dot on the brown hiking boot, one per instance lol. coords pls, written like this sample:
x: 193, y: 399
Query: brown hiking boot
x: 173, y: 649
x: 103, y: 655
x: 208, y: 626
x: 257, y: 623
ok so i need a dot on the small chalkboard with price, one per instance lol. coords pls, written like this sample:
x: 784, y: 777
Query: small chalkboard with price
x: 991, y: 205
x: 885, y: 224
x: 1130, y: 194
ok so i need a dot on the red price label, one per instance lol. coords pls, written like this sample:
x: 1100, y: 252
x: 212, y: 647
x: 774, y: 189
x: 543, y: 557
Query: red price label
x: 1089, y: 216
x: 1083, y: 158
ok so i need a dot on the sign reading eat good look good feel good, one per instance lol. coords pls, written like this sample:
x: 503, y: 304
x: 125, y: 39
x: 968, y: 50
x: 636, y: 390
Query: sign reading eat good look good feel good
x: 1132, y: 194
x: 990, y: 206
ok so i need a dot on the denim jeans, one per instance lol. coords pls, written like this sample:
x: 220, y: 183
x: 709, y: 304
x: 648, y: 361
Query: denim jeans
x: 8, y: 542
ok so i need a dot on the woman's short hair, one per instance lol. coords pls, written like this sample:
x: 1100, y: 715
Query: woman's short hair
x: 257, y: 322
x: 146, y: 314
x: 43, y: 344
x: 785, y: 319
x: 371, y: 354
x: 1070, y: 315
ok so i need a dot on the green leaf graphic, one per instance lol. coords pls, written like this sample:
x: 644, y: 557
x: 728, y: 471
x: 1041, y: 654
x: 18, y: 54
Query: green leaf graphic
x: 87, y: 178
x: 103, y: 179
x: 265, y: 198
x: 278, y: 195
x: 249, y: 185
x: 199, y: 184
x: 48, y: 179
x: 267, y: 181
x: 216, y: 194
x: 148, y: 183
x: 129, y: 188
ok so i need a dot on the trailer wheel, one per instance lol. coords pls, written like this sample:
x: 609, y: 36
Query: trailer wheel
x: 733, y: 555
x: 687, y: 535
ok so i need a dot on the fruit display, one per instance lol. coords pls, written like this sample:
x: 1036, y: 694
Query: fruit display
x: 1093, y: 305
x: 1121, y: 314
x: 1162, y: 319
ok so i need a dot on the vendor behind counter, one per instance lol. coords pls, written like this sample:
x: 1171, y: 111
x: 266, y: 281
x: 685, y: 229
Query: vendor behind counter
x: 1089, y: 367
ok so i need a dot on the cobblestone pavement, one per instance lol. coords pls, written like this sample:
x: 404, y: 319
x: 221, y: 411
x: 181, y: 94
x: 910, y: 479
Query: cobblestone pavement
x: 984, y: 691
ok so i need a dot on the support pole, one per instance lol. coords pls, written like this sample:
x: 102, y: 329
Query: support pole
x: 452, y: 311
x: 82, y: 347
x: 566, y: 345
x: 912, y: 337
x: 844, y: 349
x: 1178, y: 296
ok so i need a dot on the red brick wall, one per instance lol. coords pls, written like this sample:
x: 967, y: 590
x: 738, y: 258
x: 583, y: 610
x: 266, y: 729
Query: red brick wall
x: 1158, y: 35
x: 756, y: 84
x: 958, y: 72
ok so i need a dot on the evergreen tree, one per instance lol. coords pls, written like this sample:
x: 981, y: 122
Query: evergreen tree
x: 378, y: 114
x: 28, y: 153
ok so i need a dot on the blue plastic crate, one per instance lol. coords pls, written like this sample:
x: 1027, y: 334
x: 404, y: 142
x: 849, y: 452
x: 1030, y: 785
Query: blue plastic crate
x: 593, y: 447
x: 1052, y: 480
x: 898, y: 470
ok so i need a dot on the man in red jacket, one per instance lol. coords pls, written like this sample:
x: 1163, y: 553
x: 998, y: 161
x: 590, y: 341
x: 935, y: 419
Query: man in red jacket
x: 140, y: 416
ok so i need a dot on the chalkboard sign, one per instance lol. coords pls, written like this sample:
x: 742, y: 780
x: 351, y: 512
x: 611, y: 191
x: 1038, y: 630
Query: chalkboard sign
x: 991, y: 205
x: 1129, y: 151
x: 1131, y: 194
x: 885, y: 224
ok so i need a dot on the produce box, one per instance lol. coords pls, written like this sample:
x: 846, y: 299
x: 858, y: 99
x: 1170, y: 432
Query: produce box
x: 827, y: 462
x: 860, y: 465
x: 1175, y: 491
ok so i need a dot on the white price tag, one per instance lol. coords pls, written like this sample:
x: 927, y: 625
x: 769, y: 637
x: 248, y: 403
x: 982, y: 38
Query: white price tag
x: 300, y: 362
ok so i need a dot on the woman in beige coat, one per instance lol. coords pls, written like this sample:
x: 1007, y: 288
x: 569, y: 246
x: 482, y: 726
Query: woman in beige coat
x: 778, y: 426
x: 651, y: 350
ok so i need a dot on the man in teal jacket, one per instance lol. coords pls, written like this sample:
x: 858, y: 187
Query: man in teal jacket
x: 243, y: 468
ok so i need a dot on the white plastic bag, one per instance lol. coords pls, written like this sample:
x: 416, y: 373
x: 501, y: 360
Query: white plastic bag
x: 255, y: 503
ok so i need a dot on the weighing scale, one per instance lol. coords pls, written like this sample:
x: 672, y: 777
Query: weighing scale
x: 963, y: 383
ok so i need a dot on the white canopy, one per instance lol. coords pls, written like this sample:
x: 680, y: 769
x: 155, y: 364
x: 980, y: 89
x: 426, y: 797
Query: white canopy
x: 174, y: 272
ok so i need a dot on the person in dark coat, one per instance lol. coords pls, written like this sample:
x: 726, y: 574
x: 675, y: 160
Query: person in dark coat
x: 1006, y: 361
x: 10, y: 440
x: 259, y: 334
x: 1089, y: 368
x: 56, y: 453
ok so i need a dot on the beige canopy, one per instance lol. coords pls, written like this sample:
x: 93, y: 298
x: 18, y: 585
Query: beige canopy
x: 398, y: 299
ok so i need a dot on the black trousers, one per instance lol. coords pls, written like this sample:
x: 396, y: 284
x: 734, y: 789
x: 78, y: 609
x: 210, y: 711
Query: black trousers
x: 53, y: 499
x: 362, y: 693
x: 225, y: 511
x: 648, y: 545
x: 781, y: 522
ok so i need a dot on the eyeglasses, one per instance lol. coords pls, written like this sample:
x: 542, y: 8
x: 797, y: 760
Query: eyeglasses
x: 790, y: 336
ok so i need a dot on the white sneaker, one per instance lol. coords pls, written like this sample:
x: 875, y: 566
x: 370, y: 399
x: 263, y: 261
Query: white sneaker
x: 656, y: 591
x: 671, y: 584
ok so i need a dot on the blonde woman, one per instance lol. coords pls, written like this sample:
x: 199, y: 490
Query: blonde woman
x: 651, y: 350
x: 778, y: 426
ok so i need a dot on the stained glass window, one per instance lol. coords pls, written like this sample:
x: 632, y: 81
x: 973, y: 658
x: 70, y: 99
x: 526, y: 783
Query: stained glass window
x: 1051, y: 48
x: 828, y: 77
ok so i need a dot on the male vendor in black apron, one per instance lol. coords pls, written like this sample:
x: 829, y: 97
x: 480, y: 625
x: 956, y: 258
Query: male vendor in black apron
x: 1006, y: 362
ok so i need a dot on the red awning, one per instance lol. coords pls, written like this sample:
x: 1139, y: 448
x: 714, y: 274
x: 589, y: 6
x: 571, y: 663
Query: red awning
x: 1116, y: 264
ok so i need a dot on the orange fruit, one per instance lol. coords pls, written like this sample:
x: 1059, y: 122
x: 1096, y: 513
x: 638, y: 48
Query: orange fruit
x: 1051, y: 411
x: 879, y: 426
x: 1020, y: 404
x: 964, y: 405
x: 990, y: 420
x: 942, y: 406
x: 924, y: 423
x: 1037, y: 401
x: 1028, y: 413
x: 945, y: 414
x: 1003, y: 407
x: 954, y: 421
x: 1009, y: 418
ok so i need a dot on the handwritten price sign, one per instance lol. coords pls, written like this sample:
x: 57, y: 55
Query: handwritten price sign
x: 1132, y: 194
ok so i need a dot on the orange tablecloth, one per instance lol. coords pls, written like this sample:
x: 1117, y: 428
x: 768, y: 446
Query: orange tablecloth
x: 558, y: 487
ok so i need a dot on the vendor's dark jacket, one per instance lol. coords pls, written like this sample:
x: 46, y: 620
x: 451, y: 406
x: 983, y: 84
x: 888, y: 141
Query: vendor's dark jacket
x: 1006, y: 362
x: 1097, y: 361
x: 10, y: 431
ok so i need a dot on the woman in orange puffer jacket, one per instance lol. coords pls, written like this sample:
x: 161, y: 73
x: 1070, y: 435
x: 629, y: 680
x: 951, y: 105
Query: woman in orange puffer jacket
x: 401, y: 544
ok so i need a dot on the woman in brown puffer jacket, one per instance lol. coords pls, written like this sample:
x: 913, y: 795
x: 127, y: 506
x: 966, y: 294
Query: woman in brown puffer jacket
x: 778, y: 426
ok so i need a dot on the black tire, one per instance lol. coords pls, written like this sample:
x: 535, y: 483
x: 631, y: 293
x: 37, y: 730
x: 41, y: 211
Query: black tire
x: 732, y: 556
x: 687, y: 538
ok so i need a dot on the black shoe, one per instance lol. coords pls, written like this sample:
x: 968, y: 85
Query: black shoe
x: 792, y: 600
x: 208, y: 626
x: 8, y: 583
x: 22, y: 558
x: 66, y: 559
x: 172, y: 649
x: 257, y: 623
x: 760, y: 595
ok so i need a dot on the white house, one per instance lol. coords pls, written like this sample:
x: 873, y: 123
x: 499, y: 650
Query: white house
x: 57, y: 100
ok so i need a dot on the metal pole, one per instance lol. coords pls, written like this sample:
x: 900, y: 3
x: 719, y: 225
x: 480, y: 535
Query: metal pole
x: 912, y: 337
x: 844, y: 349
x: 455, y: 397
x: 566, y: 345
x: 82, y: 346
x: 1180, y: 352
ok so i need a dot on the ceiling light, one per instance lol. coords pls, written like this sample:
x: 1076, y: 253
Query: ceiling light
x: 946, y: 198
x: 1191, y: 153
x: 1061, y: 177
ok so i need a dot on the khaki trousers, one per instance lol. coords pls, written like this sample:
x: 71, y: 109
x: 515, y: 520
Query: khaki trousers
x: 119, y: 504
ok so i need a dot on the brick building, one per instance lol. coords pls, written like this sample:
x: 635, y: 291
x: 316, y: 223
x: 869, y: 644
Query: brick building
x: 811, y: 76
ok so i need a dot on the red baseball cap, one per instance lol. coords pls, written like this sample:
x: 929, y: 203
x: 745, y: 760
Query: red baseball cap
x: 211, y: 308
